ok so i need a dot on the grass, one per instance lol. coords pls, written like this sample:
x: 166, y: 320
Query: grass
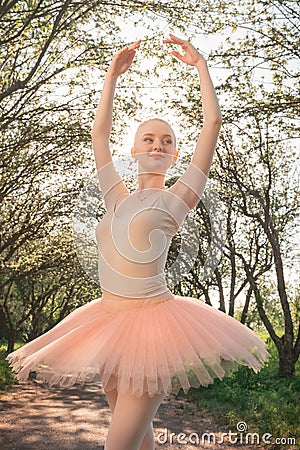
x: 267, y: 402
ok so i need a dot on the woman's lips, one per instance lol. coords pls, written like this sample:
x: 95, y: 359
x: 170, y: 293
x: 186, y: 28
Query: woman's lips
x: 156, y: 155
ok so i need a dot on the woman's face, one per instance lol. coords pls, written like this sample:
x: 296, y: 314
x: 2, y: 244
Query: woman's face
x: 154, y: 146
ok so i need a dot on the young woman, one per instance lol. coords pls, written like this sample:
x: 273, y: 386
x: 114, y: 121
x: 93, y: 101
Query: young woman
x: 144, y: 341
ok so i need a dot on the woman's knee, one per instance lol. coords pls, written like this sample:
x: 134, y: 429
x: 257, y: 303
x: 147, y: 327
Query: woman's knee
x: 138, y: 409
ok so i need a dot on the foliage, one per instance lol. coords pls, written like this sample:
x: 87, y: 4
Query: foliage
x: 267, y: 402
x: 47, y: 283
x: 7, y: 378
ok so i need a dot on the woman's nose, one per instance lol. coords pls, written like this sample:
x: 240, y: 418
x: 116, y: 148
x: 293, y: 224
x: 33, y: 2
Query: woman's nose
x: 157, y: 146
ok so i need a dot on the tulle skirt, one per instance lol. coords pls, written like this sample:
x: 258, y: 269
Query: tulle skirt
x: 147, y: 346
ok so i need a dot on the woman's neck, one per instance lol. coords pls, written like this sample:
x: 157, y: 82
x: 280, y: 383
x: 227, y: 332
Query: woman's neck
x: 150, y: 181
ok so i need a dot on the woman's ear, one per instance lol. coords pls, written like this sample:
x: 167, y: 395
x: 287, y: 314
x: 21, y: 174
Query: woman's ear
x: 133, y: 152
x: 176, y: 153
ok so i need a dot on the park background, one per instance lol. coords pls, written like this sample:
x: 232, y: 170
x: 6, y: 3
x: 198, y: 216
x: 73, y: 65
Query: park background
x: 54, y: 55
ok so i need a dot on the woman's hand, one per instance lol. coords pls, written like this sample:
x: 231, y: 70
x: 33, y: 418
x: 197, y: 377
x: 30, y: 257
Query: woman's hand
x: 191, y: 56
x: 123, y: 59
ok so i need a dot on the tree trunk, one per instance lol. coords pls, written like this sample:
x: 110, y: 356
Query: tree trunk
x: 11, y: 339
x: 246, y: 306
x: 286, y: 358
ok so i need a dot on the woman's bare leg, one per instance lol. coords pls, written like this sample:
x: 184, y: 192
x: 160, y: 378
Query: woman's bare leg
x: 131, y: 425
x: 112, y: 396
x: 148, y: 440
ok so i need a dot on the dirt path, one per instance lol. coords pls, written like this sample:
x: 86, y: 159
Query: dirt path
x: 32, y: 417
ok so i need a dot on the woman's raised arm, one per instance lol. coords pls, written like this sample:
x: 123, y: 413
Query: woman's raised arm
x: 111, y: 184
x: 191, y: 184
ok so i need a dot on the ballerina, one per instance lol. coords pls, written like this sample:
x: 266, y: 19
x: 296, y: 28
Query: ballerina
x: 144, y: 341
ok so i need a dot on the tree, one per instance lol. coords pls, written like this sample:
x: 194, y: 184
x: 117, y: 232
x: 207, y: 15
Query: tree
x: 45, y: 283
x: 255, y: 164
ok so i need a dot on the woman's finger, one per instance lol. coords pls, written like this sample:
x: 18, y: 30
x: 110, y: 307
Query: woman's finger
x: 177, y: 55
x: 123, y: 50
x: 135, y: 45
x: 176, y: 39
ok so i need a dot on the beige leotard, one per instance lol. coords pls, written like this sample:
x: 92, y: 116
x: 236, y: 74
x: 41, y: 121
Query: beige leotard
x: 134, y: 237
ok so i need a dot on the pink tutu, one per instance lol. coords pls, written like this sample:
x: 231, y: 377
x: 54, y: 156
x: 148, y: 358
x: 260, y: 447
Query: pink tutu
x: 152, y: 345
